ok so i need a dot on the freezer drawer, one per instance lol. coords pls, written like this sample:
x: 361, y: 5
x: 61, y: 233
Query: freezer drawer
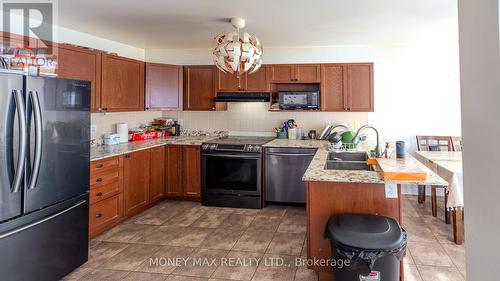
x: 284, y: 168
x: 46, y: 245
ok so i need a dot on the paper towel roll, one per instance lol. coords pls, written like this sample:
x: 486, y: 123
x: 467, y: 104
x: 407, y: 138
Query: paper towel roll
x: 122, y: 130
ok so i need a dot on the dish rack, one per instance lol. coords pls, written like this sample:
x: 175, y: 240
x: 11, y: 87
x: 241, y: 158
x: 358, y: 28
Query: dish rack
x: 342, y: 146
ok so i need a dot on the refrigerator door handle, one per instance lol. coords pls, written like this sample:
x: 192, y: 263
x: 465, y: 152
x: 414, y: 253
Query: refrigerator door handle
x: 23, y: 140
x: 35, y: 101
x: 22, y: 228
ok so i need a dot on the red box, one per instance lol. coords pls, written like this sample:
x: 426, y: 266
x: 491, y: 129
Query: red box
x: 136, y: 136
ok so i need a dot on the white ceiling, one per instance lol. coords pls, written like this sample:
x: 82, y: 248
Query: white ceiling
x: 169, y: 24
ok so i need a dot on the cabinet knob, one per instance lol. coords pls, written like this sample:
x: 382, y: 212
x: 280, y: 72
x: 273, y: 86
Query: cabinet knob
x: 213, y: 108
x: 99, y: 194
x: 127, y: 156
x: 98, y: 180
x: 99, y: 166
x: 99, y: 109
x: 147, y: 108
x: 98, y: 215
x: 104, y: 109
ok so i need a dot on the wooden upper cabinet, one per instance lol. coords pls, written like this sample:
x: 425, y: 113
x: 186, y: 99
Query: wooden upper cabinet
x: 227, y: 82
x: 173, y: 156
x: 122, y: 84
x: 295, y: 73
x: 282, y: 73
x: 333, y: 78
x: 136, y: 178
x: 307, y: 73
x: 360, y: 87
x: 258, y: 81
x: 255, y: 82
x: 157, y: 173
x: 191, y: 171
x: 81, y: 64
x: 347, y: 87
x: 163, y: 86
x: 199, y: 88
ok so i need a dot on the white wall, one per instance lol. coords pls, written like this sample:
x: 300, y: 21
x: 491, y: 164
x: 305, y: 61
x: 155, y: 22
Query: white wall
x: 480, y: 92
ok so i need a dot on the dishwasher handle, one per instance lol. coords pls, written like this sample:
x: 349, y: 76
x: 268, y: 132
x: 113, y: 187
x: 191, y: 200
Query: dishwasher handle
x: 291, y: 154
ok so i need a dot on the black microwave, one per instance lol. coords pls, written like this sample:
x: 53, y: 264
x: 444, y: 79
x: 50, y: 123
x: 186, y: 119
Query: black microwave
x: 298, y: 100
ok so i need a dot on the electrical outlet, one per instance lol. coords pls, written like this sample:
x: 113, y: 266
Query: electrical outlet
x: 391, y: 190
x: 93, y: 129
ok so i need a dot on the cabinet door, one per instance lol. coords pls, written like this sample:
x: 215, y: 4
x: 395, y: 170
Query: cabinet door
x: 227, y: 82
x: 163, y: 87
x: 136, y: 167
x: 122, y: 84
x: 307, y: 73
x: 81, y: 64
x: 173, y: 170
x: 199, y: 89
x: 105, y: 214
x: 360, y: 87
x: 283, y: 73
x: 191, y: 171
x: 157, y: 175
x: 333, y: 78
x: 258, y: 81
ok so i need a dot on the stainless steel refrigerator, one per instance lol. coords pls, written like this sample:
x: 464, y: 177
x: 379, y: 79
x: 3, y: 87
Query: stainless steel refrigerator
x: 44, y: 176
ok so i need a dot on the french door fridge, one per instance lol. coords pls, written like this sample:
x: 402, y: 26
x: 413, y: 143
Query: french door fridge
x: 44, y: 176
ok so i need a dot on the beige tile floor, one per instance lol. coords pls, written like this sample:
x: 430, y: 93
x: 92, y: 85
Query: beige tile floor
x: 224, y: 236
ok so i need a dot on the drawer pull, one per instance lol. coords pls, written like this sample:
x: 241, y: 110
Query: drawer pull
x: 127, y: 156
x: 98, y: 166
x: 99, y: 194
x: 98, y: 215
x: 98, y: 180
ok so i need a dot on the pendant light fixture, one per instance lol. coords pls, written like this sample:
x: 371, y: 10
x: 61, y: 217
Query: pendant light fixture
x: 237, y: 53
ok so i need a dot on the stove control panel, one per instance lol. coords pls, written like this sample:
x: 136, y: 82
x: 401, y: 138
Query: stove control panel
x: 209, y: 146
x: 253, y: 148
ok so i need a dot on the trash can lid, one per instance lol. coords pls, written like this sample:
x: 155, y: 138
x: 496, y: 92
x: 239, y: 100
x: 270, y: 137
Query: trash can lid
x: 365, y: 232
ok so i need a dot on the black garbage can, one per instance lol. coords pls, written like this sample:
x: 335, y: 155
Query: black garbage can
x: 366, y: 247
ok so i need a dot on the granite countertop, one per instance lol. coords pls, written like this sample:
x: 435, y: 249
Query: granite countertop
x: 105, y: 151
x: 317, y: 172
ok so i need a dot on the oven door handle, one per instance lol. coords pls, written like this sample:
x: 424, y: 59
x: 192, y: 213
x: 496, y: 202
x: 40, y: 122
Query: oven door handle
x: 232, y: 156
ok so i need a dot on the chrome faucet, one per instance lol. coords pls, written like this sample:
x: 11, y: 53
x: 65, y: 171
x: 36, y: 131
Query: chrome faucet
x: 367, y: 126
x: 340, y: 126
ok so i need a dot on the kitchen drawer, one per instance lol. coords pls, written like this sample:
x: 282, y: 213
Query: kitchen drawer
x: 112, y: 163
x: 105, y: 214
x: 101, y: 192
x: 101, y: 179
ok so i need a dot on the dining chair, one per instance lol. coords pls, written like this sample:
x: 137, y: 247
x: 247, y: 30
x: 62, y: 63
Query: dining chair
x: 456, y: 143
x: 434, y: 143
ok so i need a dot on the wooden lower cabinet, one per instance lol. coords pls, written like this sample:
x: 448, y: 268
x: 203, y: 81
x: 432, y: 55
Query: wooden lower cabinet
x: 106, y: 194
x: 184, y: 171
x: 123, y: 186
x: 136, y: 178
x: 191, y: 171
x: 173, y: 169
x: 157, y: 174
x: 105, y: 214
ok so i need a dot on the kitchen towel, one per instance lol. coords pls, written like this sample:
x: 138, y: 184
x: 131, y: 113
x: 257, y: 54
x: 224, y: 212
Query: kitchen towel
x: 122, y: 130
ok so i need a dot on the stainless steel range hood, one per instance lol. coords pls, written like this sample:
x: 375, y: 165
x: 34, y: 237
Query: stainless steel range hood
x: 243, y: 97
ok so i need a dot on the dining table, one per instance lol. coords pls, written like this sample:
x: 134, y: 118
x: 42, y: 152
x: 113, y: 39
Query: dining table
x: 448, y: 165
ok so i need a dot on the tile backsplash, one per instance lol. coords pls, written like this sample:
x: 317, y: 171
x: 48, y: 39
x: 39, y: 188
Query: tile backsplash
x: 240, y: 118
x: 246, y: 118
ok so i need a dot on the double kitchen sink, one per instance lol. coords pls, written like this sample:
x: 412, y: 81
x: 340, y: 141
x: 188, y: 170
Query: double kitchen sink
x: 353, y: 161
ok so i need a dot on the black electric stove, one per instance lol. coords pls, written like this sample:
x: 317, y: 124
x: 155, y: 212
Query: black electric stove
x: 232, y: 172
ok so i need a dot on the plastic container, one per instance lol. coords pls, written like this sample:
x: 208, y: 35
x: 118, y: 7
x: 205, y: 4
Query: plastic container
x: 373, y: 245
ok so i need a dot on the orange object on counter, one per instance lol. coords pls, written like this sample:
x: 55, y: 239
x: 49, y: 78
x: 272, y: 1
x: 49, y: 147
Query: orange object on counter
x: 400, y: 169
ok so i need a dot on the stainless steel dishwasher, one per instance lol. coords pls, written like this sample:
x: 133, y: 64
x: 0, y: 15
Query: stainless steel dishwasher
x: 284, y: 168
